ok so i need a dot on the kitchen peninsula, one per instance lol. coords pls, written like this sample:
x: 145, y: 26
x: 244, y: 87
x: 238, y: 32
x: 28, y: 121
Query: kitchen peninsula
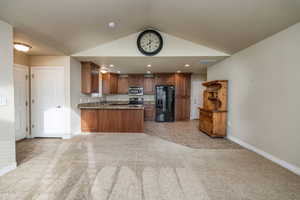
x: 98, y: 117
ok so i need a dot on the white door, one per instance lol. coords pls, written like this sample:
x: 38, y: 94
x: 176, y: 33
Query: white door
x: 49, y: 116
x: 196, y: 97
x: 21, y: 90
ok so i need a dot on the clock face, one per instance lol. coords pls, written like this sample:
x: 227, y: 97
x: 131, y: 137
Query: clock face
x: 149, y: 42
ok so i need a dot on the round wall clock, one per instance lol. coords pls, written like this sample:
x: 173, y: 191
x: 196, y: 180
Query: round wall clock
x: 150, y: 42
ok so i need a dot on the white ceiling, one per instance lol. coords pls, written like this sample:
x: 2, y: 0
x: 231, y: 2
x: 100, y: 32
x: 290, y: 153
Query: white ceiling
x: 70, y: 26
x: 158, y: 64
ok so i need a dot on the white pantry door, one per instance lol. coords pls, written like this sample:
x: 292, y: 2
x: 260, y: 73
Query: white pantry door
x: 21, y: 90
x: 196, y: 97
x: 49, y: 115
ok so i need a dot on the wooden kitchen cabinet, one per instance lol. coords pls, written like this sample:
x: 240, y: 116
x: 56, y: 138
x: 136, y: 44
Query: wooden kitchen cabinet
x: 164, y: 79
x: 183, y: 85
x: 136, y: 80
x: 89, y: 120
x: 123, y: 84
x: 183, y: 96
x: 90, y: 78
x: 149, y: 85
x: 149, y: 112
x: 110, y: 83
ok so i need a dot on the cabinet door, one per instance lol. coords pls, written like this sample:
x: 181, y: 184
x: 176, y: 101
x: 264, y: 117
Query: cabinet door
x: 105, y: 84
x: 110, y: 83
x: 182, y: 108
x: 89, y: 78
x: 149, y: 112
x: 183, y: 85
x: 148, y: 85
x: 136, y: 80
x: 164, y: 79
x: 114, y: 83
x: 86, y: 78
x: 123, y: 84
x: 89, y: 120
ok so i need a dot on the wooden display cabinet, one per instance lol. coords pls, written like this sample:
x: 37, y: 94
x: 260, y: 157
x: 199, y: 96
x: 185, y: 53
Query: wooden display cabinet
x: 213, y: 115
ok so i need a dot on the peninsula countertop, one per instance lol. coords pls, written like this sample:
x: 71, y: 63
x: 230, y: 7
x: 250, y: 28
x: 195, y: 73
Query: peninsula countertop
x: 110, y: 106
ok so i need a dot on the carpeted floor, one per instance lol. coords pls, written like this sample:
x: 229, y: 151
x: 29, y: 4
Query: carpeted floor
x: 145, y: 167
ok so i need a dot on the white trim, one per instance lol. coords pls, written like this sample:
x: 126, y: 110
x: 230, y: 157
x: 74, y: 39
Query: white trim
x: 276, y: 160
x: 66, y: 137
x: 28, y: 117
x: 8, y: 169
x: 21, y: 66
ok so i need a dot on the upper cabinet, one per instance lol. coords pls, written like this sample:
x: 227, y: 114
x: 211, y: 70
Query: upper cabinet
x: 123, y: 84
x: 164, y: 79
x: 149, y: 84
x: 183, y: 85
x: 182, y: 99
x: 136, y: 80
x: 110, y: 83
x: 90, y: 78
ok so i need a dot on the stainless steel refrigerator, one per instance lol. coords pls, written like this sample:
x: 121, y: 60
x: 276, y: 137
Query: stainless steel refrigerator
x: 165, y: 103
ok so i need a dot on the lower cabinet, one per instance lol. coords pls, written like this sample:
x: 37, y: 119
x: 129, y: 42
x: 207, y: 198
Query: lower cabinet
x: 89, y: 120
x: 182, y: 108
x: 213, y: 123
x: 149, y: 112
x: 112, y: 120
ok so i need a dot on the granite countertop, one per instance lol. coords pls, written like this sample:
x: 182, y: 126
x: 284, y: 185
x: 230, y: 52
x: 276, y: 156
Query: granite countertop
x: 110, y: 106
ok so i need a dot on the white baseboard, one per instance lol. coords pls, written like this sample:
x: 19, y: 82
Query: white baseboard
x: 8, y: 169
x: 276, y: 160
x: 66, y: 137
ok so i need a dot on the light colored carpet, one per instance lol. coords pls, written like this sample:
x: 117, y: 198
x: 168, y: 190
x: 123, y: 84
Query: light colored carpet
x: 143, y: 167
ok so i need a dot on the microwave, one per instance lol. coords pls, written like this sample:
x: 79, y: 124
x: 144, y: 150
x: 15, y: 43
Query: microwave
x: 135, y: 91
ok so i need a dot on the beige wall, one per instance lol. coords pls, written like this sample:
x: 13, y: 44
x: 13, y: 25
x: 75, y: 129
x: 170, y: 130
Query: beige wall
x: 7, y: 112
x: 21, y: 58
x: 49, y: 61
x: 264, y: 94
x: 75, y: 95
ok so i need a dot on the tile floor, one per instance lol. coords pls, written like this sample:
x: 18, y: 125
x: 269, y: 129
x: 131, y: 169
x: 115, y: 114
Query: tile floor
x: 145, y: 167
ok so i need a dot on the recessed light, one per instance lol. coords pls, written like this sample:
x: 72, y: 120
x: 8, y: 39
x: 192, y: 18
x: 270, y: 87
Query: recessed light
x: 187, y: 65
x: 178, y: 71
x: 148, y: 72
x: 118, y: 72
x: 22, y: 47
x: 111, y: 65
x: 103, y: 71
x: 149, y: 65
x: 111, y: 24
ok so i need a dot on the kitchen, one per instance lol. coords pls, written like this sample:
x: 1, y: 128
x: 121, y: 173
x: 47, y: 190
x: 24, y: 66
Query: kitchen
x: 160, y: 97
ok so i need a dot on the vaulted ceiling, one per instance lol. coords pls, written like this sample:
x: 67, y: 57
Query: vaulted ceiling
x: 70, y: 26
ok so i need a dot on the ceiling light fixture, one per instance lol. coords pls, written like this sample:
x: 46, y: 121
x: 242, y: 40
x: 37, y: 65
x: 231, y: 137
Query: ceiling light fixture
x: 111, y: 24
x: 22, y: 47
x: 178, y: 71
x: 187, y: 65
x: 148, y: 72
x: 118, y: 72
x: 111, y: 65
x: 103, y: 71
x: 149, y: 65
